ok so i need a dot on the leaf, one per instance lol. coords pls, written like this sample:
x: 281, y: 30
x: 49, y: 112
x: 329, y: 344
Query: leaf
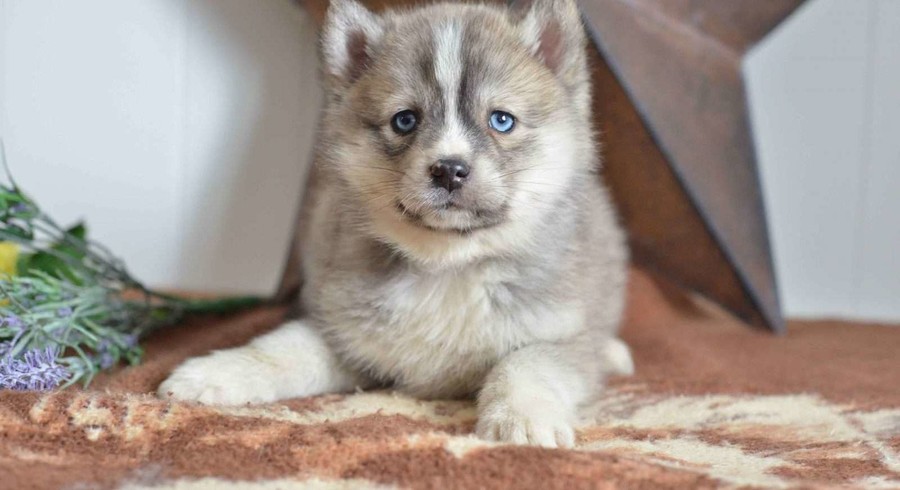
x: 7, y: 199
x: 134, y: 355
x: 14, y: 204
x: 22, y: 263
x: 74, y: 247
x: 54, y: 263
x: 18, y: 231
x: 78, y: 231
x: 51, y: 265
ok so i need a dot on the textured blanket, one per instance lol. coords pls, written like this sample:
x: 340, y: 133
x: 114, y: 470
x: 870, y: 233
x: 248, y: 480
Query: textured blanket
x: 713, y: 404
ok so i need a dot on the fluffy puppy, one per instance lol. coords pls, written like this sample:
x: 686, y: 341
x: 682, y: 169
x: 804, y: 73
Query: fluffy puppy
x: 460, y: 242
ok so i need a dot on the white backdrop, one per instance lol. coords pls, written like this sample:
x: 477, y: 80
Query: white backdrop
x: 179, y: 129
x: 825, y: 98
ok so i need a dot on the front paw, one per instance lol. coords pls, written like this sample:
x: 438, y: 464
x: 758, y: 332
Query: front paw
x: 540, y: 422
x: 231, y: 377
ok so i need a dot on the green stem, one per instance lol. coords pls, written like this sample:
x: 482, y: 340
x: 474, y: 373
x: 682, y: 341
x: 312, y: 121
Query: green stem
x: 220, y: 305
x: 200, y: 306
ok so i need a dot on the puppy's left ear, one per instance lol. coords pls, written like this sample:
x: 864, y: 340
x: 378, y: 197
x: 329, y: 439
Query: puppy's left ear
x: 349, y: 37
x: 552, y: 29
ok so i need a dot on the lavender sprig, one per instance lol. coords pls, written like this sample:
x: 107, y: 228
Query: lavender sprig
x: 72, y: 308
x: 37, y: 369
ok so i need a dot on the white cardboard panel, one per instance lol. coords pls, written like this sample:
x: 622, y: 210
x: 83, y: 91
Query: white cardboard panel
x: 180, y: 129
x: 807, y: 85
x: 879, y: 248
x: 252, y: 101
x: 90, y: 96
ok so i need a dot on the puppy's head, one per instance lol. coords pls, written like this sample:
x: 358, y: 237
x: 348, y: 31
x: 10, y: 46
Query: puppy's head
x: 456, y: 128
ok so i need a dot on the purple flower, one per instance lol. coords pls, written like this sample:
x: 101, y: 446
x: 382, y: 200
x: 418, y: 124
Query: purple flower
x: 37, y: 370
x: 129, y: 340
x: 106, y: 360
x: 64, y: 312
x: 18, y: 326
x: 19, y: 208
x: 5, y: 348
x: 103, y: 356
x: 12, y: 321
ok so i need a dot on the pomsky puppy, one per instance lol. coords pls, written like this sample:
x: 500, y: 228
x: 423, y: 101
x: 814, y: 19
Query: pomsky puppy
x: 460, y: 242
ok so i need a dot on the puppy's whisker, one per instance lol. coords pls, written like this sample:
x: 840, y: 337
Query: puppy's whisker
x: 548, y: 184
x: 381, y: 186
x: 525, y: 169
x: 373, y: 167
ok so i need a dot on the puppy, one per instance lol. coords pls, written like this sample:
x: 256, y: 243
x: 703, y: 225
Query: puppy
x: 460, y: 242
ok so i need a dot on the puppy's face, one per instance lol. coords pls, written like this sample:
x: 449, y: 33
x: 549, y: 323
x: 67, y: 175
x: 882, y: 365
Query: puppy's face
x: 452, y: 119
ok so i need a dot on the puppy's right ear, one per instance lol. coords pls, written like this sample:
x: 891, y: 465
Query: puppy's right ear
x: 348, y: 40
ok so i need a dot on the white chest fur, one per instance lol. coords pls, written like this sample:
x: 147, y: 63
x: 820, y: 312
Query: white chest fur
x: 439, y: 334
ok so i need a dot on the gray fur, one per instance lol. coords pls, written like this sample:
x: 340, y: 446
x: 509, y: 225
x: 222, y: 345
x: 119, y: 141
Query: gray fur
x: 511, y: 288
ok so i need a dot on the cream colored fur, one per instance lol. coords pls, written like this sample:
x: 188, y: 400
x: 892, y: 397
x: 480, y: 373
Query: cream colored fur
x: 510, y: 288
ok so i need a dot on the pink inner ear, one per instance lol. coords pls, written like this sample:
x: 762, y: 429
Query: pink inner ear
x: 357, y: 56
x: 551, y: 46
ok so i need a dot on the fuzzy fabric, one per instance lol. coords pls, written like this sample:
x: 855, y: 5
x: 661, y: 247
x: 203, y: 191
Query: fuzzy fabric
x: 713, y: 404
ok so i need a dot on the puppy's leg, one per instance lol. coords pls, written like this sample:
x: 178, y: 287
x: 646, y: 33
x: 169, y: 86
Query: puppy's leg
x: 291, y: 361
x: 532, y: 395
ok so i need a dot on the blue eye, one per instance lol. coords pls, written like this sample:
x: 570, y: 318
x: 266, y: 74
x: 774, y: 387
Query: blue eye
x: 404, y: 122
x: 502, y: 121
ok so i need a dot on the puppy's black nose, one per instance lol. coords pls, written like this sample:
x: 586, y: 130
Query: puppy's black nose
x: 449, y: 174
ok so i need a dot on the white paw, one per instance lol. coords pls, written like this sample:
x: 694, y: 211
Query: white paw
x: 541, y: 423
x: 231, y: 377
x: 618, y: 355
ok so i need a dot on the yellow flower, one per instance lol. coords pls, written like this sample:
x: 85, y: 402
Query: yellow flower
x: 9, y: 256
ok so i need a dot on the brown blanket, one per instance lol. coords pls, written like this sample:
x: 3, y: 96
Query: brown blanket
x: 713, y: 404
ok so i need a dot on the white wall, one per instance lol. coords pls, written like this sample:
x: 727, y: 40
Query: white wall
x: 179, y: 129
x: 825, y: 100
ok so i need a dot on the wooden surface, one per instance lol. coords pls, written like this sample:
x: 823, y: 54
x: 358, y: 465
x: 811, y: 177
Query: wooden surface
x: 679, y: 61
x: 666, y: 232
x: 669, y: 101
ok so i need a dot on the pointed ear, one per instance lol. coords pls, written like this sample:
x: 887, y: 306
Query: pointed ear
x: 552, y: 29
x: 349, y: 36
